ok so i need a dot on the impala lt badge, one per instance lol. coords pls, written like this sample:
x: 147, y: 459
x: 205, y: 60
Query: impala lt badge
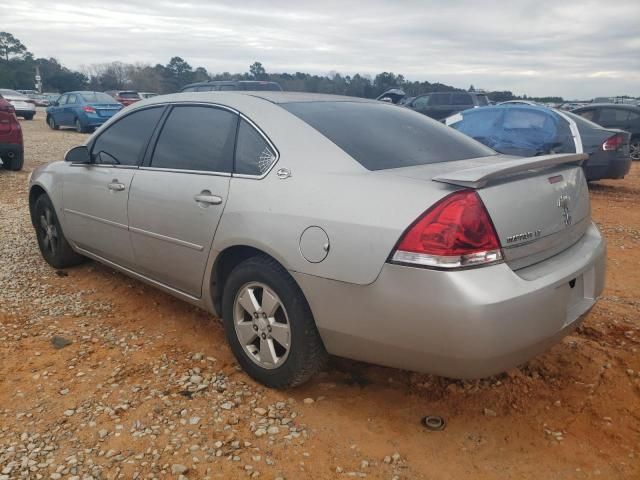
x: 563, y: 203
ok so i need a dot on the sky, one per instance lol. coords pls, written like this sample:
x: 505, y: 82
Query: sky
x: 575, y: 49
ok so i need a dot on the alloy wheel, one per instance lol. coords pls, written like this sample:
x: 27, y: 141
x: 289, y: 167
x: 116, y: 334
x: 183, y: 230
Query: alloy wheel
x: 634, y: 150
x: 49, y: 231
x: 262, y: 325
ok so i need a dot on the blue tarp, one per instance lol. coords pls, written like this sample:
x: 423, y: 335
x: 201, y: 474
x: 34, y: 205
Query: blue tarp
x: 525, y: 130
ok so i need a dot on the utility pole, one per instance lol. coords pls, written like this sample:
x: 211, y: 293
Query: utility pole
x: 38, y: 80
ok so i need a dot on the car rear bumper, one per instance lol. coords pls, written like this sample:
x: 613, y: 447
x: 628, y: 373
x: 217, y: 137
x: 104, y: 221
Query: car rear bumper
x: 463, y: 324
x: 605, y: 166
x: 11, y: 148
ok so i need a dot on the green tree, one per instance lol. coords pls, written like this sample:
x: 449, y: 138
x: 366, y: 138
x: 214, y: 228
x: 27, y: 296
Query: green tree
x: 257, y: 71
x: 11, y: 47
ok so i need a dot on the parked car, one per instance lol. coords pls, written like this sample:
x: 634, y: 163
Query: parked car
x: 23, y: 105
x: 11, y: 143
x: 624, y: 117
x: 144, y: 95
x: 392, y: 95
x: 124, y: 97
x: 51, y: 97
x: 317, y: 224
x: 532, y: 130
x: 84, y: 111
x: 38, y: 99
x: 440, y: 105
x: 222, y: 85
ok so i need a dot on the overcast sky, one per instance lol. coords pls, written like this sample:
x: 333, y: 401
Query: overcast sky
x: 576, y: 49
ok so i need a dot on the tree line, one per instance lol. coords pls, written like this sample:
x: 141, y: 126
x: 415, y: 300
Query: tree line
x: 18, y: 67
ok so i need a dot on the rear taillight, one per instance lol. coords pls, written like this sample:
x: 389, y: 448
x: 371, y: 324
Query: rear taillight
x: 456, y: 232
x: 89, y: 109
x: 614, y: 143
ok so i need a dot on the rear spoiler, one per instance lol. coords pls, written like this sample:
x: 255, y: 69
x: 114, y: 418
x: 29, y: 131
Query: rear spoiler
x: 478, y: 177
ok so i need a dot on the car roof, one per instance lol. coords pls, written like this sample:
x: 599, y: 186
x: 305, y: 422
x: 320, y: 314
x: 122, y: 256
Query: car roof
x: 624, y: 106
x: 269, y: 96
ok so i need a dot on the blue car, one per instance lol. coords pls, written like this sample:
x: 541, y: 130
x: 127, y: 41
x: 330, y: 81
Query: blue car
x: 84, y: 111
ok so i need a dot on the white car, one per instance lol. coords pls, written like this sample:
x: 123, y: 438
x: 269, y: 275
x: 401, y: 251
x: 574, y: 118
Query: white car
x: 23, y: 105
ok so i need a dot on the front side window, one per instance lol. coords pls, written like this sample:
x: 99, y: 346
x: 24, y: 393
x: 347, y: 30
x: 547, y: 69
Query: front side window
x: 71, y: 100
x: 125, y: 140
x: 63, y: 100
x: 196, y: 138
x: 421, y: 102
x: 254, y: 156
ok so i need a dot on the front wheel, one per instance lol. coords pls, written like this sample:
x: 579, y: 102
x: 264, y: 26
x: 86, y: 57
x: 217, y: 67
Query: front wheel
x: 634, y: 148
x: 269, y: 324
x: 53, y: 245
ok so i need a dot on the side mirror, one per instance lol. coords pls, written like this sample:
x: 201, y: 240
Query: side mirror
x: 54, y: 104
x: 78, y: 155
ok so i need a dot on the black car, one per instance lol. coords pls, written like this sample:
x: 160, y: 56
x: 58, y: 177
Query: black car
x: 615, y: 115
x: 218, y: 85
x: 440, y: 105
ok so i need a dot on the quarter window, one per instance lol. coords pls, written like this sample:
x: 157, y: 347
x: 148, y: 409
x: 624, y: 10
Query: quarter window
x: 461, y: 99
x: 254, y: 156
x: 124, y: 141
x: 197, y: 138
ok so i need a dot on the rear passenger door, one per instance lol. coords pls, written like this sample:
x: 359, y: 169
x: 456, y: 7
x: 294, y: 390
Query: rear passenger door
x: 68, y: 110
x: 177, y: 197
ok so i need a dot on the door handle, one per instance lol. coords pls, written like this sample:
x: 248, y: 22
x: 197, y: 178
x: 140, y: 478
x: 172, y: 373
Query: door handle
x: 116, y: 187
x: 206, y: 198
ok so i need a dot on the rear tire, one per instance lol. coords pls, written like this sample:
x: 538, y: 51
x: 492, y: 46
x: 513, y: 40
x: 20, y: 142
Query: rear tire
x: 294, y: 342
x: 28, y: 116
x: 15, y: 164
x: 52, y: 123
x: 79, y: 127
x: 53, y: 245
x: 634, y: 148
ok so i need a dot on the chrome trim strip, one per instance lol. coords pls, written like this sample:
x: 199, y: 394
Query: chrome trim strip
x: 175, y: 241
x: 97, y: 219
x: 137, y: 275
x: 192, y: 172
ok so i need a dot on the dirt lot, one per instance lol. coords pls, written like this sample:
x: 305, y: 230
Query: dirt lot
x: 147, y: 387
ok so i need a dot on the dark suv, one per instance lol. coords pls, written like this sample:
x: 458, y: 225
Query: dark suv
x: 616, y: 115
x: 440, y: 105
x: 232, y: 85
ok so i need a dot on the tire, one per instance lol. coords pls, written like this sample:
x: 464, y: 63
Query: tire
x: 52, y: 123
x: 79, y: 127
x: 15, y: 164
x: 28, y: 116
x: 634, y: 148
x: 53, y: 245
x: 292, y: 319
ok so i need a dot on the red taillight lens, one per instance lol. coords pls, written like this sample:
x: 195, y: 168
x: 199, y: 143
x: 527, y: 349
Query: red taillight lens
x: 613, y: 143
x: 456, y: 232
x: 89, y: 109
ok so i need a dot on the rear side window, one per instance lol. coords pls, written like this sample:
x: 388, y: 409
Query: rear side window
x: 438, y: 99
x: 381, y: 136
x: 125, y: 140
x: 72, y: 99
x: 254, y: 156
x: 196, y: 138
x: 613, y: 115
x: 461, y: 99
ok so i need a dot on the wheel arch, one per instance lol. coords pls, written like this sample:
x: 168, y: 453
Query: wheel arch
x: 224, y: 264
x: 35, y: 192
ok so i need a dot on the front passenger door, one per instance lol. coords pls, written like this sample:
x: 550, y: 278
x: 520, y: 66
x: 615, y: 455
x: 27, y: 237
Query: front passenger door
x: 95, y: 195
x: 178, y: 196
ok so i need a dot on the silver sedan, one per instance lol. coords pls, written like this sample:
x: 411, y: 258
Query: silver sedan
x: 316, y: 225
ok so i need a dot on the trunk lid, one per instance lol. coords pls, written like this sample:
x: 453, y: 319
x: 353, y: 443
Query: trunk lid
x: 539, y: 206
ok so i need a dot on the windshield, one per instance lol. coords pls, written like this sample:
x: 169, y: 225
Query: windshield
x: 381, y: 136
x: 97, y: 97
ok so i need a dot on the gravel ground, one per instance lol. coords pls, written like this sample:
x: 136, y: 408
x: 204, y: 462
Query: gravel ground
x: 103, y: 377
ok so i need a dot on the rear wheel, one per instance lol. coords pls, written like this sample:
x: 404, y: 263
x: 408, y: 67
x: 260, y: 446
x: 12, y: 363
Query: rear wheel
x: 269, y: 324
x: 28, y: 116
x: 79, y: 127
x: 53, y: 245
x: 634, y: 148
x: 52, y: 123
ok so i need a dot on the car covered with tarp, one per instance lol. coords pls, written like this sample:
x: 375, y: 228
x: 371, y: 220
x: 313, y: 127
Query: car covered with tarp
x: 532, y: 130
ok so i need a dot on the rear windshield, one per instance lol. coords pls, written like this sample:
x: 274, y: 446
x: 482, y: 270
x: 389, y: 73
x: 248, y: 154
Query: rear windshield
x: 128, y: 94
x: 97, y: 97
x: 381, y: 136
